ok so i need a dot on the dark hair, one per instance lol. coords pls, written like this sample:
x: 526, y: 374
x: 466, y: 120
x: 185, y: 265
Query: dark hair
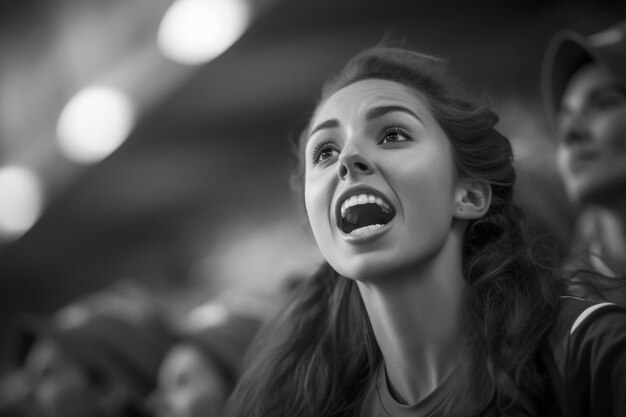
x: 321, y: 353
x: 586, y: 281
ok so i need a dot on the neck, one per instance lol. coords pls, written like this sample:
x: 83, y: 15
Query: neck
x: 612, y: 235
x: 416, y: 320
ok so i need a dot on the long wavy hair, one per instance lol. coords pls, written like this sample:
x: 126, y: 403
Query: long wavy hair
x: 318, y: 356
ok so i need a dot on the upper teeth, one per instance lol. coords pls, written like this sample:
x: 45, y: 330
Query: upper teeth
x: 358, y: 199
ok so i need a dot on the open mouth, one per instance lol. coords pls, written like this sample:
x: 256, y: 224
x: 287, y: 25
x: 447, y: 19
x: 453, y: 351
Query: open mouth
x: 364, y: 212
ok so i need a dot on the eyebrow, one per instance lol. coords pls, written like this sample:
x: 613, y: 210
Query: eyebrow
x: 594, y: 93
x: 608, y: 87
x: 328, y: 124
x: 373, y: 113
x: 380, y: 111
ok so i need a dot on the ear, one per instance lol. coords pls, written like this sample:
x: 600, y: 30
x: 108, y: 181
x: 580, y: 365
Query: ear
x: 473, y: 198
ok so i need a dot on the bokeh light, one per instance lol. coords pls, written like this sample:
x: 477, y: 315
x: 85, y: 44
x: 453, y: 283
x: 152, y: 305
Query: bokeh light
x: 20, y: 200
x: 94, y: 123
x: 196, y: 31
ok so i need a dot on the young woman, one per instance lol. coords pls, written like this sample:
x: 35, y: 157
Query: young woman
x: 585, y: 86
x: 434, y: 301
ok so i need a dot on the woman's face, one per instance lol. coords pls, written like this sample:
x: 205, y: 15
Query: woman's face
x: 59, y: 387
x: 189, y: 385
x: 591, y: 129
x: 379, y: 180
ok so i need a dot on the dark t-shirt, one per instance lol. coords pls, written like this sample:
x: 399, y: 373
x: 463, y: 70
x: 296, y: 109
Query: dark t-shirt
x: 379, y: 402
x: 587, y: 365
x: 586, y: 362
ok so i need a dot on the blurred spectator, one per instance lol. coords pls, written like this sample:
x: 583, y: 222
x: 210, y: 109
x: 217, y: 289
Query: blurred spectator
x: 97, y: 357
x: 584, y: 81
x: 201, y: 370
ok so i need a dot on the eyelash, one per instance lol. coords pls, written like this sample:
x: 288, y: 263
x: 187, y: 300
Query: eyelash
x: 319, y: 148
x: 608, y: 100
x: 394, y: 129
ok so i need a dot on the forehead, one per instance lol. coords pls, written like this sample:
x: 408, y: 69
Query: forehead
x: 359, y: 96
x: 588, y: 78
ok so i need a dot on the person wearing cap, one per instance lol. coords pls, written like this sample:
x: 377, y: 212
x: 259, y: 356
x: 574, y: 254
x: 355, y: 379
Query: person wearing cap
x: 584, y: 85
x: 201, y: 369
x: 97, y: 357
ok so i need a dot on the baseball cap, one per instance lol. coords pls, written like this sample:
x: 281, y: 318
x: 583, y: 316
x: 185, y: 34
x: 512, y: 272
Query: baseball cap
x: 569, y: 50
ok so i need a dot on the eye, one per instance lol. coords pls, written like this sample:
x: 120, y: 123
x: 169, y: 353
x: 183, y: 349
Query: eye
x: 323, y: 152
x: 394, y: 135
x: 608, y: 99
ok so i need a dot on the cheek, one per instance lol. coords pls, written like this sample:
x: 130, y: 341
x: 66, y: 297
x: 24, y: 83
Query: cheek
x: 561, y: 157
x: 427, y: 195
x: 612, y: 131
x: 616, y: 134
x: 432, y: 186
x: 432, y: 204
x: 317, y: 202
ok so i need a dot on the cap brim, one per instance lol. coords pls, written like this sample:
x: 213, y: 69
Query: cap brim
x: 566, y: 53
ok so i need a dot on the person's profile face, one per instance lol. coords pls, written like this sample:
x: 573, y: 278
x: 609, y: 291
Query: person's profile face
x: 379, y: 179
x: 591, y: 132
x: 189, y: 385
x: 59, y: 387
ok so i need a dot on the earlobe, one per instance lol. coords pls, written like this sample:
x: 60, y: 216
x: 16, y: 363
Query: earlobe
x: 472, y: 200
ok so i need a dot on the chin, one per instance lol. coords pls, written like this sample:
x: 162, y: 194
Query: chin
x: 357, y: 271
x: 361, y: 275
x: 368, y: 269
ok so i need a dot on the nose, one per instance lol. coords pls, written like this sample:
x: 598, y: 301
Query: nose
x: 574, y: 131
x: 353, y: 163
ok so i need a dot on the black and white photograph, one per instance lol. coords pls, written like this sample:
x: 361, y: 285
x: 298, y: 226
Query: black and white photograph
x: 297, y: 208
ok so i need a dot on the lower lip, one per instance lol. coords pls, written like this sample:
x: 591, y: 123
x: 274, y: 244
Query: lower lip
x: 367, y: 236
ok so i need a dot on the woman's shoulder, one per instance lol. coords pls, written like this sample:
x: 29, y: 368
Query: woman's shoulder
x: 576, y: 313
x: 588, y: 349
x: 597, y: 325
x: 581, y: 321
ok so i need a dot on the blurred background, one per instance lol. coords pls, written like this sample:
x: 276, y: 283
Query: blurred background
x: 149, y: 141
